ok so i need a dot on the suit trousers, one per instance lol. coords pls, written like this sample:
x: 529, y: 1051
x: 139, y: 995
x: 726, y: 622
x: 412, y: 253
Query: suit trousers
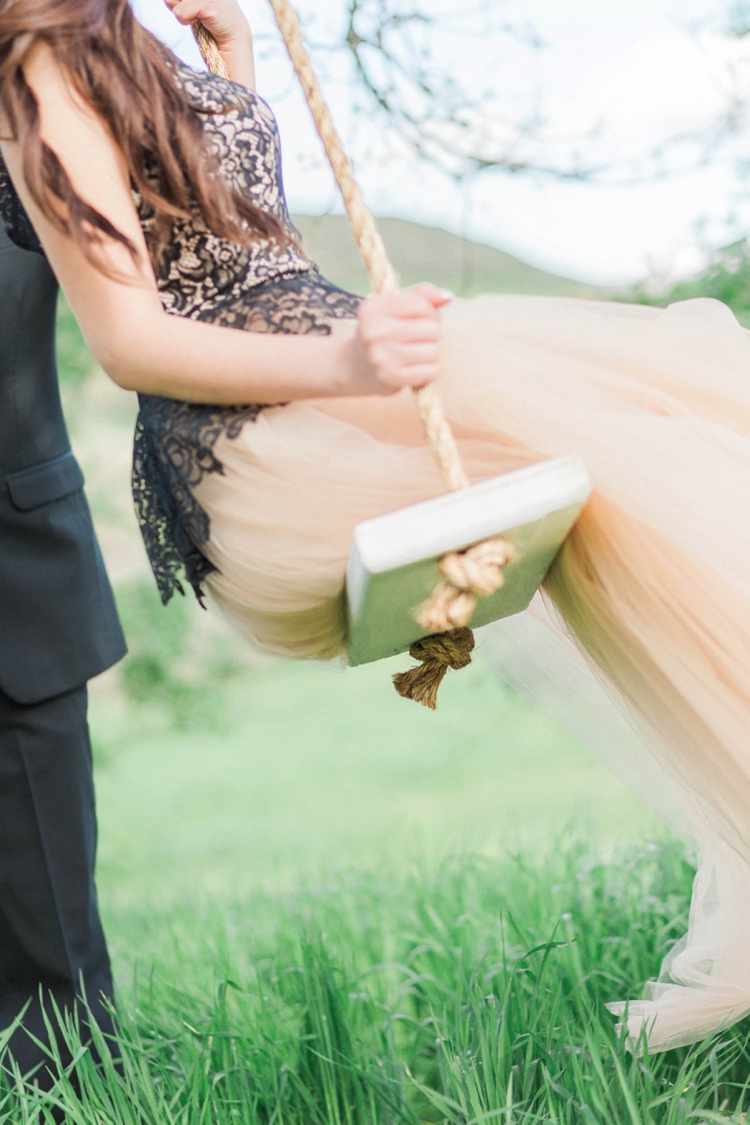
x: 51, y: 939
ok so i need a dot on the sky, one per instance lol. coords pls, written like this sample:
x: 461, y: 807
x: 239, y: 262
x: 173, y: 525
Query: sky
x: 634, y: 71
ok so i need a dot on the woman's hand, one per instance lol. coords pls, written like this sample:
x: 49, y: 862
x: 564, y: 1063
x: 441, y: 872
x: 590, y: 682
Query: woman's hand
x: 397, y: 340
x: 225, y: 19
x: 228, y: 24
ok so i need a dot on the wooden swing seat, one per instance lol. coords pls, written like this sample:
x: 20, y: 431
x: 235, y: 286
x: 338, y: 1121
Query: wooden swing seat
x: 393, y: 565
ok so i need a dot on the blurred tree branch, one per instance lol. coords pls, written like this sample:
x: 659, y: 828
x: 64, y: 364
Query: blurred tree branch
x: 738, y: 19
x: 409, y: 61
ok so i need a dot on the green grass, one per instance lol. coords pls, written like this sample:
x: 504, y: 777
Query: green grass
x: 466, y: 991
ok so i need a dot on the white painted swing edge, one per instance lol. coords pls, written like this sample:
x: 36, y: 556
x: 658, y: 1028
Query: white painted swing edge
x: 393, y: 561
x: 455, y: 520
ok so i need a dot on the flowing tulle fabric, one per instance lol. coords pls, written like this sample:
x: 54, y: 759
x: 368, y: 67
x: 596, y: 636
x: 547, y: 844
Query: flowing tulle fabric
x: 653, y: 584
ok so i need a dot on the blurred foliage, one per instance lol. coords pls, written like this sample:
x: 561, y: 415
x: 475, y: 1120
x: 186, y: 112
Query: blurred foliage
x: 74, y: 359
x: 726, y: 278
x: 178, y: 663
x: 738, y: 19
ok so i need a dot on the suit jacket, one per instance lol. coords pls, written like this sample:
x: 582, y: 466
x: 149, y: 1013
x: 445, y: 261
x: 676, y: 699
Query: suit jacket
x: 58, y: 622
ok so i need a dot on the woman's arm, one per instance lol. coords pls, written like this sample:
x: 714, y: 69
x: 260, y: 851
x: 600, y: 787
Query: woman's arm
x: 143, y: 348
x: 227, y: 23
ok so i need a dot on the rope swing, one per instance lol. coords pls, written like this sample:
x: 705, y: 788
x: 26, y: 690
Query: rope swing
x: 465, y: 575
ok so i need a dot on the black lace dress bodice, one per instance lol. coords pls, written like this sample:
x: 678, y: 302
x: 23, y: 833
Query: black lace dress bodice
x: 262, y: 288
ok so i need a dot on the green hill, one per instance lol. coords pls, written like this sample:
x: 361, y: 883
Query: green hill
x: 421, y: 253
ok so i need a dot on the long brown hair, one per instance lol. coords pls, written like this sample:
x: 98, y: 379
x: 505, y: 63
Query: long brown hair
x: 128, y: 77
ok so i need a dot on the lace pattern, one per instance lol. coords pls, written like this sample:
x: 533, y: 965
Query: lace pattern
x: 13, y: 216
x: 174, y: 441
x: 262, y: 288
x: 172, y: 450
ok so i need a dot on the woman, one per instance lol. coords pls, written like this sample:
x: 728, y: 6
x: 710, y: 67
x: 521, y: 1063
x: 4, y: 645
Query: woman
x: 157, y: 195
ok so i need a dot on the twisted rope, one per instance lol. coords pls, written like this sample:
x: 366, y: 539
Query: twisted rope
x: 469, y: 574
x: 382, y: 274
x: 207, y: 45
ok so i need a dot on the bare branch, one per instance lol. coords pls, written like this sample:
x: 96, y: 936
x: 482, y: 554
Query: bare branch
x: 409, y: 62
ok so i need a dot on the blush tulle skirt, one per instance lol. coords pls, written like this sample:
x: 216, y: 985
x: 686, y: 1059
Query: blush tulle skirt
x: 653, y: 585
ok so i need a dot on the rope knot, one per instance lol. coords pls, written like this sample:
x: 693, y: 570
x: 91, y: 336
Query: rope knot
x: 478, y: 569
x: 437, y: 654
x: 469, y: 575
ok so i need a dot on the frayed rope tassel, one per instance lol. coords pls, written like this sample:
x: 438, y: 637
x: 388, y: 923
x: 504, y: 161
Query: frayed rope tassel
x: 468, y: 575
x: 437, y: 653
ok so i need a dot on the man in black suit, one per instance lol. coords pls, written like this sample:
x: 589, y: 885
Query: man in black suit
x: 58, y: 628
